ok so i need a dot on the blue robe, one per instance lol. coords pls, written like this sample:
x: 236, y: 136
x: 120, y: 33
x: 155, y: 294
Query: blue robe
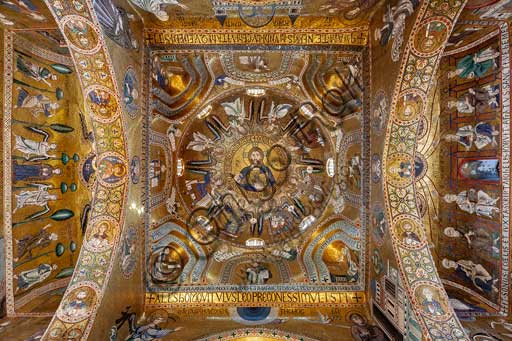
x: 30, y: 172
x: 483, y: 170
x: 263, y: 169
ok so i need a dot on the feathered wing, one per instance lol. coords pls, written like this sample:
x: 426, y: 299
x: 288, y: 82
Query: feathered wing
x: 233, y: 108
x: 200, y: 142
x: 107, y: 13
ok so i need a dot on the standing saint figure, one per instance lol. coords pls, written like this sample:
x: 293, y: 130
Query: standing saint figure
x: 39, y: 197
x: 34, y: 150
x: 474, y: 202
x: 36, y: 72
x: 257, y: 274
x: 476, y: 273
x: 475, y: 65
x: 430, y: 304
x: 29, y: 278
x: 480, y: 169
x: 25, y: 172
x: 477, y: 100
x: 38, y: 104
x: 479, y: 239
x: 100, y: 239
x: 77, y: 307
x: 481, y: 135
x: 29, y: 242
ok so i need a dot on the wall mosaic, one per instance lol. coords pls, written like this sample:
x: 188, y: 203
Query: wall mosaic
x: 472, y: 189
x: 43, y: 233
x: 399, y: 164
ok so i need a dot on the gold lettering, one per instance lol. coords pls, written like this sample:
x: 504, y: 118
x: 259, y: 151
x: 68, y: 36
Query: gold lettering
x: 164, y: 37
x: 246, y: 298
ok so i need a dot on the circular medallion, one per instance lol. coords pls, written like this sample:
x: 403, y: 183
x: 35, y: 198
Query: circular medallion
x: 409, y: 106
x: 409, y: 232
x: 79, y: 303
x: 255, y: 173
x: 431, y: 36
x: 81, y: 34
x: 166, y: 264
x: 101, y: 233
x: 400, y: 169
x: 111, y: 169
x: 433, y: 301
x: 102, y: 103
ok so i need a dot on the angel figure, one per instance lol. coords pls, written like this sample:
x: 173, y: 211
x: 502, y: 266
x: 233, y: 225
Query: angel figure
x: 394, y: 25
x: 200, y: 142
x: 258, y: 63
x: 236, y: 114
x: 36, y: 72
x: 35, y: 150
x: 157, y: 7
x: 115, y: 22
x: 39, y: 197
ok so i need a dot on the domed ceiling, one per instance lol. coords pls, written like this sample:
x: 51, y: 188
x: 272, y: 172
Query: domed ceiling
x: 247, y: 182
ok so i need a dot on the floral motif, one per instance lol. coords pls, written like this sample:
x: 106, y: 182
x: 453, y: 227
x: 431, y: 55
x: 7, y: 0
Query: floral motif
x: 402, y: 200
x: 402, y: 139
x: 418, y: 72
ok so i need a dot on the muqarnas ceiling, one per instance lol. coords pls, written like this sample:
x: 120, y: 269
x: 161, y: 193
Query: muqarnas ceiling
x: 256, y: 176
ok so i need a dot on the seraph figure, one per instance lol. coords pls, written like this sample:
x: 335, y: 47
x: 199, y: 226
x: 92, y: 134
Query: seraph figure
x: 115, y: 22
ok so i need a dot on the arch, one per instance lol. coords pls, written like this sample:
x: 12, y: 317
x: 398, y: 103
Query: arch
x: 161, y: 236
x: 249, y: 334
x: 312, y: 256
x: 418, y: 66
x: 80, y: 28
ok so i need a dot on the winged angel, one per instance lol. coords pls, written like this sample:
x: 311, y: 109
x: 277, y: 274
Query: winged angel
x: 157, y: 7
